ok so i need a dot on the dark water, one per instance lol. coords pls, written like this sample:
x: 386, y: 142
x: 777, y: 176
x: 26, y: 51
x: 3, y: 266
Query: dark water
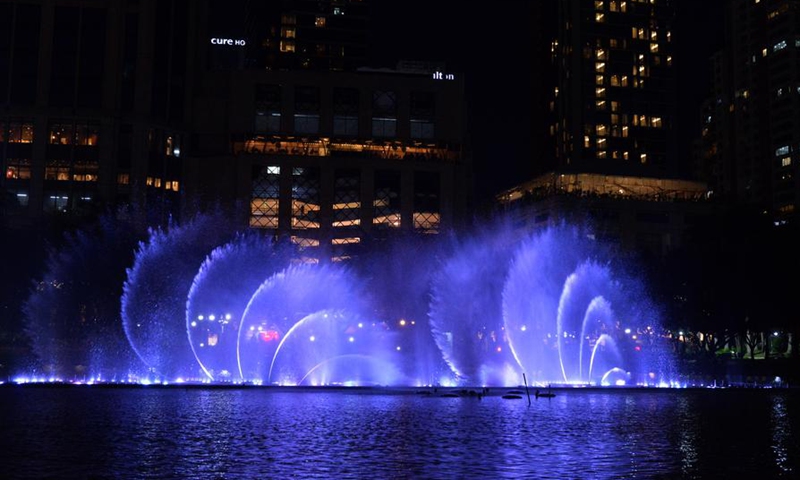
x: 88, y: 432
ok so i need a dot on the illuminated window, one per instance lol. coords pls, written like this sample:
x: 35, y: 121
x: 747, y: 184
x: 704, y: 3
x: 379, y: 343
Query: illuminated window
x: 600, y: 104
x: 56, y: 170
x: 601, y: 54
x: 289, y: 32
x: 614, y: 80
x: 601, y: 130
x: 624, y: 135
x: 653, y: 47
x: 61, y: 134
x: 600, y: 92
x: 598, y: 79
x: 18, y: 169
x: 779, y: 46
x: 602, y: 154
x: 624, y: 81
x: 85, y: 171
x: 288, y: 19
x: 643, y: 158
x: 613, y: 5
x: 614, y: 106
x: 123, y: 178
x: 264, y: 201
x: 601, y: 143
x: 19, y: 132
x: 587, y: 142
x: 600, y: 67
x: 319, y: 22
x: 386, y: 200
x: 599, y: 17
x: 782, y: 150
x: 305, y: 198
x: 287, y: 46
x: 599, y: 4
x: 786, y: 161
x: 655, y: 122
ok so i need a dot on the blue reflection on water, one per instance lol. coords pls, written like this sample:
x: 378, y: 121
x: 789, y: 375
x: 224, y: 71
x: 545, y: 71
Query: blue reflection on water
x: 372, y: 433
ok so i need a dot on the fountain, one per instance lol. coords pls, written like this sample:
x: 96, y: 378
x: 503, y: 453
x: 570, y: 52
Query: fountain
x: 208, y: 304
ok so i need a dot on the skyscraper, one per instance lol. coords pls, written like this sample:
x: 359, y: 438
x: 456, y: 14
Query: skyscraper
x: 614, y: 96
x: 751, y: 126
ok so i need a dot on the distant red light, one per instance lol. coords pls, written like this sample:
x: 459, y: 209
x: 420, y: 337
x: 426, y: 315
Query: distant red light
x: 638, y: 348
x: 269, y: 335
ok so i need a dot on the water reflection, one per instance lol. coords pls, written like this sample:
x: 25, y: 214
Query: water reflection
x: 262, y: 433
x: 781, y: 434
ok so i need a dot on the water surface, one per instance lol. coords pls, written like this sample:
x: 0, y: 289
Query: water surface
x: 89, y: 432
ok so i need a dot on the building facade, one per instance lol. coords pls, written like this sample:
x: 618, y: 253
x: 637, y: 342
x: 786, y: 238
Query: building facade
x: 614, y: 95
x: 751, y: 122
x: 173, y: 104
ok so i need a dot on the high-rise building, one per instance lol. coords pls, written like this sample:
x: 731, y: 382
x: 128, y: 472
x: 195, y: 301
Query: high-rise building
x: 614, y: 97
x: 751, y: 127
x: 164, y: 103
x: 613, y: 132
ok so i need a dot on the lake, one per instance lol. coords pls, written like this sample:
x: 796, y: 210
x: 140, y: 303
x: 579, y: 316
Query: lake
x: 102, y: 432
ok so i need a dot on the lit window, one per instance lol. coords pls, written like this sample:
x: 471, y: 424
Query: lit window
x: 624, y: 81
x: 287, y: 46
x: 653, y: 47
x: 288, y: 32
x: 625, y: 134
x: 614, y: 106
x: 601, y: 143
x: 598, y: 79
x: 655, y: 122
x: 601, y: 54
x: 786, y: 161
x: 779, y: 46
x: 615, y: 80
x: 599, y: 17
x: 602, y: 130
x: 598, y: 4
x: 600, y: 67
x: 600, y: 92
x: 763, y: 52
x: 319, y: 22
x: 643, y: 158
x: 602, y: 154
x: 600, y: 104
x: 587, y: 142
x: 625, y: 155
x: 782, y: 150
x: 273, y: 170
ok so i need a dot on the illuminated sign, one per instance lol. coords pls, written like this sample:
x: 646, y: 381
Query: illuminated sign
x: 234, y: 42
x: 443, y: 76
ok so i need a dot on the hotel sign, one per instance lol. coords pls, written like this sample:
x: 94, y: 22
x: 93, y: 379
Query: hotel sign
x: 233, y: 42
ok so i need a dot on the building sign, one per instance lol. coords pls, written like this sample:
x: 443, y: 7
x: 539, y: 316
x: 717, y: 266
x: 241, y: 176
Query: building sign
x: 234, y: 42
x: 443, y: 76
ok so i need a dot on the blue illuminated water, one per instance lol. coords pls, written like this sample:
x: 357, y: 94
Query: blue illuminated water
x: 209, y: 304
x: 89, y: 432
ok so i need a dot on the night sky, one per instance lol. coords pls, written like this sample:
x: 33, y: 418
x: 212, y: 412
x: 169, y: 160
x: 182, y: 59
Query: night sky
x: 494, y: 47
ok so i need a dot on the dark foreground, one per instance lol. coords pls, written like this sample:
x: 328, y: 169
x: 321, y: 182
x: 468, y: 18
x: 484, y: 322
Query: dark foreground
x: 89, y: 432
